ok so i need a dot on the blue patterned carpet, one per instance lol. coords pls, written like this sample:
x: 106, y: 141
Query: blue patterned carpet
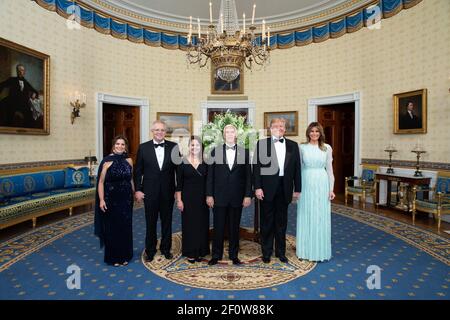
x: 414, y: 263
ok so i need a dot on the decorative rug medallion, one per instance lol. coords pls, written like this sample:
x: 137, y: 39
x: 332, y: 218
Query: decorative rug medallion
x: 251, y: 274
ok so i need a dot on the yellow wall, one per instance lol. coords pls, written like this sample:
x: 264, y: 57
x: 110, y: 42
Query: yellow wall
x: 411, y: 51
x: 88, y: 61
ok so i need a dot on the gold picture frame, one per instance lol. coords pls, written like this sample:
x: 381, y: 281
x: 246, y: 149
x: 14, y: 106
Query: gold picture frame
x: 178, y: 124
x: 219, y: 86
x: 410, y: 112
x: 24, y: 100
x: 291, y: 118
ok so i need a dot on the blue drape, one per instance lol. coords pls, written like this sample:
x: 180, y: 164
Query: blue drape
x: 306, y: 35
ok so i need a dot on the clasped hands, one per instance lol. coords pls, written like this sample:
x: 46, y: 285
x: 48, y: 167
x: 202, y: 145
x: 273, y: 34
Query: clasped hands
x: 139, y: 196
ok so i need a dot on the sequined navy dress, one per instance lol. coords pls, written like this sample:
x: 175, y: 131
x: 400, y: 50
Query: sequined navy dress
x: 115, y: 226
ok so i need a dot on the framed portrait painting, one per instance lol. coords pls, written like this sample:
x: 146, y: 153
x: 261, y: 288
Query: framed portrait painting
x: 178, y: 124
x: 291, y: 118
x: 24, y: 90
x: 410, y: 112
x: 219, y: 86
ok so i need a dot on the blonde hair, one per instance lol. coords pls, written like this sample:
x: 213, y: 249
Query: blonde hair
x: 273, y: 120
x: 319, y: 127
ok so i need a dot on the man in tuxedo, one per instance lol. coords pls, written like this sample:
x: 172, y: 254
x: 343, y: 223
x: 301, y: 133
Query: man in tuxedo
x: 17, y: 106
x: 277, y: 182
x: 154, y: 180
x: 409, y: 120
x: 228, y: 189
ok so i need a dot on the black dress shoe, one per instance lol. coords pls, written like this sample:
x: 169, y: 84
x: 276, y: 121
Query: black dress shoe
x: 191, y: 260
x: 199, y: 259
x: 236, y: 261
x: 283, y: 259
x: 213, y: 261
x: 168, y: 255
x: 149, y: 258
x: 266, y: 259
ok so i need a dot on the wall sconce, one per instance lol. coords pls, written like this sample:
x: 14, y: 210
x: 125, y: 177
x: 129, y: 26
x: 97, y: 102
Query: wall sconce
x: 77, y: 101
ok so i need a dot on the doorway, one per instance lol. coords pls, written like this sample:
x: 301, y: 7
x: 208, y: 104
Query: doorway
x: 124, y: 120
x: 338, y: 121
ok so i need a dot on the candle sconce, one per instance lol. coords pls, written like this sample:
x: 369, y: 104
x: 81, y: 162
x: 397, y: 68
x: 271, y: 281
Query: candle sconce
x: 77, y: 101
x: 418, y: 151
x: 390, y: 149
x: 91, y: 160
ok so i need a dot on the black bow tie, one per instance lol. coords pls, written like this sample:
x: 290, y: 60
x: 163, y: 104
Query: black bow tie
x: 278, y: 140
x: 159, y: 145
x: 230, y: 148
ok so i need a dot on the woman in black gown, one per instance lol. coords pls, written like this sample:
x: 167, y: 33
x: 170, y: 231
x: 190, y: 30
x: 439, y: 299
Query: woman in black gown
x: 191, y: 188
x: 114, y: 204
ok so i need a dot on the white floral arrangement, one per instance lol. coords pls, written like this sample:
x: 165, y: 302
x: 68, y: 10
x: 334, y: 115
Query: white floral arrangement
x: 212, y: 133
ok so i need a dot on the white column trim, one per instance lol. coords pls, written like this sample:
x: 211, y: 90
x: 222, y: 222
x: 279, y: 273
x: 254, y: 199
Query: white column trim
x: 144, y: 107
x: 344, y: 98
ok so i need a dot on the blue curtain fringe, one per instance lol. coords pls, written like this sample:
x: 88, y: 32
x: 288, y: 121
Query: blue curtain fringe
x: 306, y: 35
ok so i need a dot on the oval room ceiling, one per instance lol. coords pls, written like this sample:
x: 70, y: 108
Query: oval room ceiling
x: 174, y: 14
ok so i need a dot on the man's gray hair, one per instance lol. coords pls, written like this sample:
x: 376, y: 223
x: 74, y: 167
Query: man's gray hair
x: 229, y: 126
x: 160, y: 122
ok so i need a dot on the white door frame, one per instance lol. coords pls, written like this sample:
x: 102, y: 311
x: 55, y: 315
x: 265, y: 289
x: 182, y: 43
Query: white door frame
x: 144, y: 115
x: 344, y: 98
x: 232, y: 104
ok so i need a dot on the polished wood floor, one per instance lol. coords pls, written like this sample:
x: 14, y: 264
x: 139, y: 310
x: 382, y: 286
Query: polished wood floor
x: 422, y: 219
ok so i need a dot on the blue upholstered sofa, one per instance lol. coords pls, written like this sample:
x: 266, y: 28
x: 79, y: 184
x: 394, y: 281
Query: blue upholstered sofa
x: 27, y: 195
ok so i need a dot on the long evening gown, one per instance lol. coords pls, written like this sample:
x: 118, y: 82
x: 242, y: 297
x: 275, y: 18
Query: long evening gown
x: 117, y: 220
x: 314, y: 208
x: 195, y: 216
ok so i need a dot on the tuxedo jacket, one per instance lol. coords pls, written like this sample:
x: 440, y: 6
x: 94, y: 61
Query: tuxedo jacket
x: 14, y: 88
x: 149, y: 178
x: 229, y: 187
x: 17, y: 100
x: 266, y: 169
x: 406, y: 122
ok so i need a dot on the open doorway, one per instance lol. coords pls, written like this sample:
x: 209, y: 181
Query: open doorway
x: 140, y: 121
x: 338, y: 121
x: 124, y: 120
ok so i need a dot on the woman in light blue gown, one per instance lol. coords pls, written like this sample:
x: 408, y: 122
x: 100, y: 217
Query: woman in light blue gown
x: 314, y: 207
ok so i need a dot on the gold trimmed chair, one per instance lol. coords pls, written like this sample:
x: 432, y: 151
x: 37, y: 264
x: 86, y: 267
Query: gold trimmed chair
x: 362, y: 186
x: 439, y: 204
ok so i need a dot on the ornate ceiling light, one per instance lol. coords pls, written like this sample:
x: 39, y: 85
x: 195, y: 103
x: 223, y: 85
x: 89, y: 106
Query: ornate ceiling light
x: 228, y: 46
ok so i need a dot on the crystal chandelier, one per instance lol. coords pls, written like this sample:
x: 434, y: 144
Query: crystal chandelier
x: 228, y: 46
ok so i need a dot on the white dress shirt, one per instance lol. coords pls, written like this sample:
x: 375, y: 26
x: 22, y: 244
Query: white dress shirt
x: 159, y: 154
x: 231, y: 154
x: 280, y: 149
x: 410, y: 114
x: 21, y: 85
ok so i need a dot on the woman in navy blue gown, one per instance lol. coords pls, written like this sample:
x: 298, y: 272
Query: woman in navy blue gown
x: 191, y: 195
x: 114, y: 204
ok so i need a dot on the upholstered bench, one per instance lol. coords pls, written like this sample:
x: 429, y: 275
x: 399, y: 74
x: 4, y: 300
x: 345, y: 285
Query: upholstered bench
x: 29, y: 195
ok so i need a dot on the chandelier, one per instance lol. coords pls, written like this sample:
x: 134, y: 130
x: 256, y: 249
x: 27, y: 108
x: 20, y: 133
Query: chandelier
x: 228, y: 46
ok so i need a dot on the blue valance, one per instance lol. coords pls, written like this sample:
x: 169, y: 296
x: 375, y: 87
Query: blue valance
x: 334, y: 28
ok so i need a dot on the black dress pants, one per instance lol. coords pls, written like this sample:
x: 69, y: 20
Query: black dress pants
x: 222, y: 215
x: 273, y: 223
x: 163, y: 208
